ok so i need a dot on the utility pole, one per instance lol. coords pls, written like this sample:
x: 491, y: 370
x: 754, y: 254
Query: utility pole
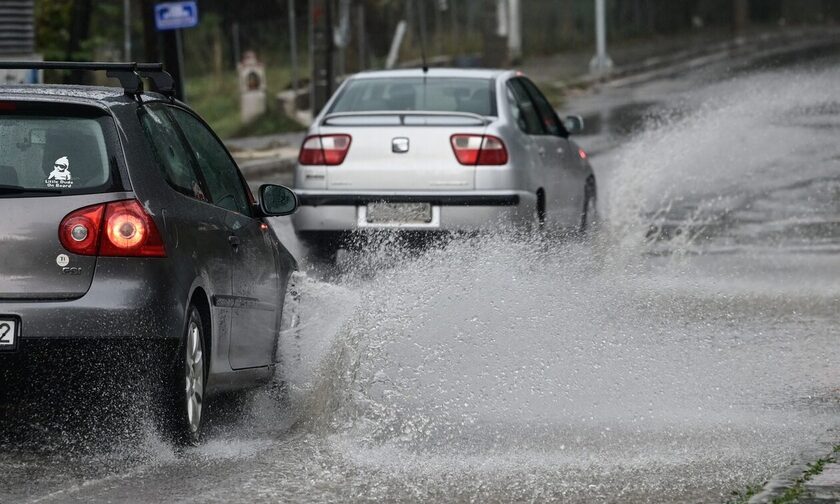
x: 320, y: 18
x: 514, y: 30
x: 601, y: 64
x: 396, y: 44
x: 293, y: 48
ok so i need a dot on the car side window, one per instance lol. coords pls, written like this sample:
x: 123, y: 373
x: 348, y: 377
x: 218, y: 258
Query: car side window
x: 524, y: 110
x: 548, y: 116
x: 172, y: 155
x: 515, y: 110
x: 214, y: 162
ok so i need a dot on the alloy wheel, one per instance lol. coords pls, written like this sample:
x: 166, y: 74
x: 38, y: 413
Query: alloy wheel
x: 194, y: 377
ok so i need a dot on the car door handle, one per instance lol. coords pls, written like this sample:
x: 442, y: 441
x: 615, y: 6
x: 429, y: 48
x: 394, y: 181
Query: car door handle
x: 234, y: 241
x: 541, y: 151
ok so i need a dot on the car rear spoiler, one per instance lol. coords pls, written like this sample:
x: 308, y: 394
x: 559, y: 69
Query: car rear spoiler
x: 130, y: 75
x: 404, y: 118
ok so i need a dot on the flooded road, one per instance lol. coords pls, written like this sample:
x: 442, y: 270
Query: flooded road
x: 686, y: 351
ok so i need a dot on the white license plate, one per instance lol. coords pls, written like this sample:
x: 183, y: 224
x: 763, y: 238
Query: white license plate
x: 399, y: 212
x: 8, y: 333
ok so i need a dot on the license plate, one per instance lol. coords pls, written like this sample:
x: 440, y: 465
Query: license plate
x: 399, y: 212
x: 8, y: 333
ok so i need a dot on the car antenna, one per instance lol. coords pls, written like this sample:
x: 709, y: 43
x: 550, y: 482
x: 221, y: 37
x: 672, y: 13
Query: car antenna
x: 422, y: 15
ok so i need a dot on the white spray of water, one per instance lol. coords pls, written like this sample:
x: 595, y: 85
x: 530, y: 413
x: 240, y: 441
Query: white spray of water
x: 472, y: 364
x: 743, y: 155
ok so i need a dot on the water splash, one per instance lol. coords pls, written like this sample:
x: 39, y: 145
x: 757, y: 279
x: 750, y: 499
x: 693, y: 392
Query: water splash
x: 495, y: 366
x: 755, y: 163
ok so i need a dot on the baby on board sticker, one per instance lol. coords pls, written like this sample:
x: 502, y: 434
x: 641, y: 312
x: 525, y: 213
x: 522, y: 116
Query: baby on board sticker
x: 60, y: 176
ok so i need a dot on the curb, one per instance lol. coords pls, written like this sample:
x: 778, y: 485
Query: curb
x: 781, y: 482
x: 266, y: 167
x: 656, y: 66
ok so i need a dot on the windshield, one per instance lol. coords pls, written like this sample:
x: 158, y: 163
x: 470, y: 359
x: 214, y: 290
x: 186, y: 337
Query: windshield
x: 430, y: 94
x: 52, y: 155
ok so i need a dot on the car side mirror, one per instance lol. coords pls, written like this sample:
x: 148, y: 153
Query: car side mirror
x: 277, y: 200
x: 573, y: 124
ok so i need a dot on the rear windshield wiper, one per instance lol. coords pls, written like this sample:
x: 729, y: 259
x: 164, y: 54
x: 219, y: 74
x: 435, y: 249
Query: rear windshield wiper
x: 13, y: 189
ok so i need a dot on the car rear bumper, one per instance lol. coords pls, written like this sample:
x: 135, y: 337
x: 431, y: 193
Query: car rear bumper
x: 451, y: 211
x: 129, y: 298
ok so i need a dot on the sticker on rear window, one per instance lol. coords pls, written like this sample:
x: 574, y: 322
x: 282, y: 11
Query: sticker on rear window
x: 60, y: 177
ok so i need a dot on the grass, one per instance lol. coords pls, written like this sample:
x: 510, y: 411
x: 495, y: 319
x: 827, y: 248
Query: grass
x: 217, y: 100
x: 796, y: 491
x: 745, y: 496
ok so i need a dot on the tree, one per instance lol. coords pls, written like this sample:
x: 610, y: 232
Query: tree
x: 79, y: 29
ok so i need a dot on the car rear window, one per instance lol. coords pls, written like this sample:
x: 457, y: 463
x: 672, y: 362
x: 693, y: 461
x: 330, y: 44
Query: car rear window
x: 430, y: 94
x: 52, y: 155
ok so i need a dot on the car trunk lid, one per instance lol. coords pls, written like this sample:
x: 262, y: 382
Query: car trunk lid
x: 401, y: 151
x: 33, y: 263
x: 56, y: 160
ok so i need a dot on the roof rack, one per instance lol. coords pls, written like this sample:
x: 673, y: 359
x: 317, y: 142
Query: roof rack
x: 130, y: 75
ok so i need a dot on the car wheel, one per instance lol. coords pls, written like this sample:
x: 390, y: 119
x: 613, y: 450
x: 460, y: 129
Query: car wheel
x: 322, y: 249
x: 589, y: 218
x: 184, y: 408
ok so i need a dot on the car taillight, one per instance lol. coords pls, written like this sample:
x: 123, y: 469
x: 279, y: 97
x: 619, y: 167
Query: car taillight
x: 116, y: 229
x: 324, y: 150
x: 79, y: 231
x: 472, y: 150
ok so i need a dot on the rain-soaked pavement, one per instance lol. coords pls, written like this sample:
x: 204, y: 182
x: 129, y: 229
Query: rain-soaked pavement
x: 673, y: 368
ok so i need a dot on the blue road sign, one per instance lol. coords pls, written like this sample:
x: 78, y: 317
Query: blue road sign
x: 175, y: 15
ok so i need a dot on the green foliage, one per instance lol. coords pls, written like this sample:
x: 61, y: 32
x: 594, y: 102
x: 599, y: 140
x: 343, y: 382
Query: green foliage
x: 271, y: 122
x: 745, y: 496
x: 796, y: 491
x: 216, y: 99
x: 52, y: 27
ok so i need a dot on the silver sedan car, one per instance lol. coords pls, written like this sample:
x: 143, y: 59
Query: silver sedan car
x: 439, y: 150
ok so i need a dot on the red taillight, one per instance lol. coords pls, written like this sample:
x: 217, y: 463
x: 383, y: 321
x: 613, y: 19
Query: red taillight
x: 7, y: 107
x: 582, y: 154
x: 79, y: 231
x: 472, y: 150
x: 324, y: 150
x: 116, y: 229
x: 493, y: 151
x: 467, y: 148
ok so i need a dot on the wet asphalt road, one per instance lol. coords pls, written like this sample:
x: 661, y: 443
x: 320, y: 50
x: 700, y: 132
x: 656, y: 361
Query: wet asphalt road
x: 686, y: 351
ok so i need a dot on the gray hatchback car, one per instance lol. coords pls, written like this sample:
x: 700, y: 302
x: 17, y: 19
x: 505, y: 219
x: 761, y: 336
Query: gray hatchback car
x: 124, y: 217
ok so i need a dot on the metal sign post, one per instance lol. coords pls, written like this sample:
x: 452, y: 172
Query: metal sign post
x: 322, y: 51
x: 601, y: 63
x: 171, y: 18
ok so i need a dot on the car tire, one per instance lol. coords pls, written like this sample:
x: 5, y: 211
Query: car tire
x: 589, y: 217
x: 322, y: 247
x: 540, y: 210
x: 184, y: 388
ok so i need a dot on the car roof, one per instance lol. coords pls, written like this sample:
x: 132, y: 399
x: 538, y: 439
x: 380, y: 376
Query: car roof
x: 475, y: 73
x: 102, y: 95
